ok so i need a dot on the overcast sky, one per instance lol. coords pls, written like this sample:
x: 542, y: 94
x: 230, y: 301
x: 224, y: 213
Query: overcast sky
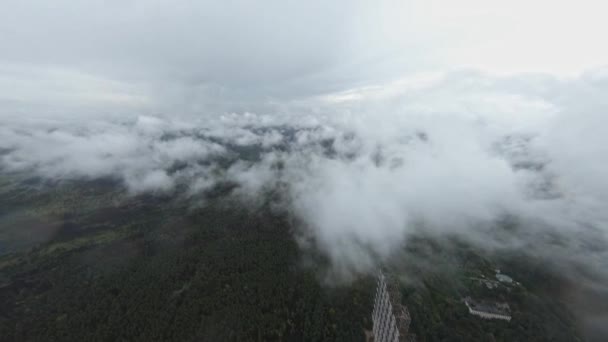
x: 110, y: 52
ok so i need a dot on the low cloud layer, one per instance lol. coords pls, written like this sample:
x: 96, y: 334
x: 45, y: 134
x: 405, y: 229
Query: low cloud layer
x: 363, y: 169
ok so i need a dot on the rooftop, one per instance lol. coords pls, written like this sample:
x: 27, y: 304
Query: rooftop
x: 488, y: 307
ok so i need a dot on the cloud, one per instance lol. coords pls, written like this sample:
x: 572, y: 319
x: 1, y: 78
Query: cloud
x: 451, y: 155
x: 156, y: 180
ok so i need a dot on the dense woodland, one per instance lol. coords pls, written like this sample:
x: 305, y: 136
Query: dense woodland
x: 213, y: 273
x: 151, y: 268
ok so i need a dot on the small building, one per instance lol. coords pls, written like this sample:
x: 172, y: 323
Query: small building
x: 488, y: 310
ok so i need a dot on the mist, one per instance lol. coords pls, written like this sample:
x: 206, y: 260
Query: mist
x: 364, y: 169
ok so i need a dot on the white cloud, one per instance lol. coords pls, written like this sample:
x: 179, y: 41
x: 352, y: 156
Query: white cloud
x: 156, y: 180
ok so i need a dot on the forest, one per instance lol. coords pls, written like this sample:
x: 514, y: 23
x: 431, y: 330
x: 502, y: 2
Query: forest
x: 117, y: 267
x: 215, y: 273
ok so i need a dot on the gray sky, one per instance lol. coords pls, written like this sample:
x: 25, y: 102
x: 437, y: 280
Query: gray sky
x: 101, y: 52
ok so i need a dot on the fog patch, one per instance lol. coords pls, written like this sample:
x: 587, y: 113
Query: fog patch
x: 361, y: 174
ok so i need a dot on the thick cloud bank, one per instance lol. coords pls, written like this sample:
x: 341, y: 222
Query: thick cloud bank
x: 363, y: 169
